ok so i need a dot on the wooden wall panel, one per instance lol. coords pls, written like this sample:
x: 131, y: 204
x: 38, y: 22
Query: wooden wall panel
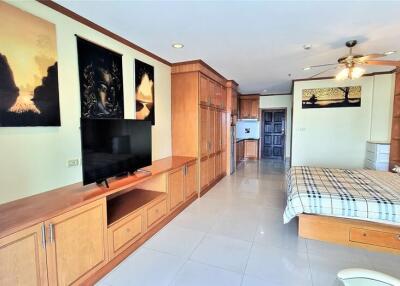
x: 185, y: 114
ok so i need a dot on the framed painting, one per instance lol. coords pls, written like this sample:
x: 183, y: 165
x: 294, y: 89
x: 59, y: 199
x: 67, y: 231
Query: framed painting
x: 28, y: 70
x: 349, y: 96
x: 101, y: 82
x: 144, y: 89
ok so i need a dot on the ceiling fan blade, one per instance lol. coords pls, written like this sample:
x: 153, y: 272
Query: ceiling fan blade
x: 324, y: 71
x: 383, y: 63
x: 370, y: 56
x: 324, y: 65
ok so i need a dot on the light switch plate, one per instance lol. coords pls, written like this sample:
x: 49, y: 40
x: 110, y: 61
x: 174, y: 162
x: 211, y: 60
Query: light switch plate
x: 72, y: 163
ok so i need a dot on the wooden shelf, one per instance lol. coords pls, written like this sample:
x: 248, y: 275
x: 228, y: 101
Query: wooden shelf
x: 121, y: 206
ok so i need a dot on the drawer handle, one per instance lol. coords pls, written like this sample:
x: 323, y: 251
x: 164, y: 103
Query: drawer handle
x: 364, y: 234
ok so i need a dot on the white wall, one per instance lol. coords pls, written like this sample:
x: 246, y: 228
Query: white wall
x: 33, y: 159
x: 336, y: 137
x: 254, y: 131
x: 281, y: 101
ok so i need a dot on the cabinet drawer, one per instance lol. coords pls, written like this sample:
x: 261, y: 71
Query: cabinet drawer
x: 156, y: 212
x: 130, y: 229
x: 374, y: 237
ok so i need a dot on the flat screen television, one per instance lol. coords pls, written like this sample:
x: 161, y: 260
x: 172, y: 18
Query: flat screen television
x: 114, y: 147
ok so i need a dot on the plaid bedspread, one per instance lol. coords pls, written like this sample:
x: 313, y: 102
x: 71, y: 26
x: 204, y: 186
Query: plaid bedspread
x: 363, y: 194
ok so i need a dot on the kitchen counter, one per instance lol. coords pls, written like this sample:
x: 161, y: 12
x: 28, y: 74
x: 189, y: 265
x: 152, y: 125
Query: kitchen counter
x: 243, y: 139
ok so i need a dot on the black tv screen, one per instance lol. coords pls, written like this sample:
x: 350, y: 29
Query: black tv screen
x: 112, y: 147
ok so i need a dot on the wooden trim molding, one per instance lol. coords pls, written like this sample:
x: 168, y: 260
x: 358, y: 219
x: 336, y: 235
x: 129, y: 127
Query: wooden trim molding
x: 61, y: 9
x: 193, y: 63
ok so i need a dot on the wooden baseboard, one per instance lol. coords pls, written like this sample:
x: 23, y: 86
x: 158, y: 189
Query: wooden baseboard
x: 211, y: 185
x: 118, y: 259
x: 350, y: 232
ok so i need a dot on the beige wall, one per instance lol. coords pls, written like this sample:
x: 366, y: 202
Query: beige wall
x: 281, y: 101
x: 336, y: 137
x: 33, y: 159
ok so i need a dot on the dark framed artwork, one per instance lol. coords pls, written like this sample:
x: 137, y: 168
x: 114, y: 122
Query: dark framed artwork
x: 349, y: 96
x: 144, y: 89
x: 101, y: 83
x: 28, y: 70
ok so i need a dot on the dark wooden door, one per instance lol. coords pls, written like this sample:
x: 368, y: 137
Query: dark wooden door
x: 273, y: 140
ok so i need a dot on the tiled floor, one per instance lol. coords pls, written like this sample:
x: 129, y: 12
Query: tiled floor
x: 234, y: 235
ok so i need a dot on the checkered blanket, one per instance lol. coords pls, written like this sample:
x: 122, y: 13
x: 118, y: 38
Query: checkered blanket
x: 361, y: 194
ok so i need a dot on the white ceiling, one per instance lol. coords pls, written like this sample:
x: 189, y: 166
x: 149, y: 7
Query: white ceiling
x: 255, y: 43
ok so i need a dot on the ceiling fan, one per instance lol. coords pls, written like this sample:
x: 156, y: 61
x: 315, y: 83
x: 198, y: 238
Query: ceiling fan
x: 351, y: 63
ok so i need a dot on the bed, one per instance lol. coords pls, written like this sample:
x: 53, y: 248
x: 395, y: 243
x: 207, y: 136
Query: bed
x: 345, y: 205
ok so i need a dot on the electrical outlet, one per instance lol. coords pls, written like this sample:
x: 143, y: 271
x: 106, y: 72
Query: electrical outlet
x: 72, y: 163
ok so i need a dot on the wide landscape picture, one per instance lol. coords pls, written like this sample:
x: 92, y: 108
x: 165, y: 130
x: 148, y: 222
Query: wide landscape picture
x: 28, y: 70
x: 349, y: 96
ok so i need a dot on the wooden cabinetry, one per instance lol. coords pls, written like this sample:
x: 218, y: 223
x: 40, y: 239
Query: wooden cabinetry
x: 84, y: 232
x: 76, y: 243
x: 251, y: 149
x: 176, y: 186
x: 23, y: 257
x: 248, y: 107
x: 191, y: 180
x: 395, y: 138
x: 200, y: 91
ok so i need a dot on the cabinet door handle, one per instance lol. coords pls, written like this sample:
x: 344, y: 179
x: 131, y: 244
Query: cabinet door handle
x: 43, y: 235
x: 51, y: 229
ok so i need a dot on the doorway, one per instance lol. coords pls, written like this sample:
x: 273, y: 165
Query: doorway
x: 273, y: 131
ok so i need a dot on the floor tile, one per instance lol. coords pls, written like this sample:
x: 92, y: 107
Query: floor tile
x: 176, y: 240
x: 198, y: 274
x: 279, y: 266
x: 197, y: 221
x: 228, y: 253
x: 254, y: 281
x: 146, y: 268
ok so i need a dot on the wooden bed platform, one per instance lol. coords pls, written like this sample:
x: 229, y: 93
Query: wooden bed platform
x: 350, y: 232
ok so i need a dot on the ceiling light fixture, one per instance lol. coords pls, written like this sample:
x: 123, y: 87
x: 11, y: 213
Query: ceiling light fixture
x: 350, y: 73
x: 177, y: 46
x: 306, y: 68
x: 389, y: 53
x: 307, y: 46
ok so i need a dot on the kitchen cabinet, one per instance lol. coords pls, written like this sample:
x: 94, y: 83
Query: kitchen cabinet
x: 251, y: 149
x: 249, y: 107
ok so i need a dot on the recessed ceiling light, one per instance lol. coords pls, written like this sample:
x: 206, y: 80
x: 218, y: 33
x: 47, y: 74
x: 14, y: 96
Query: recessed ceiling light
x: 306, y: 68
x: 264, y: 91
x: 307, y: 46
x: 389, y: 53
x: 177, y: 46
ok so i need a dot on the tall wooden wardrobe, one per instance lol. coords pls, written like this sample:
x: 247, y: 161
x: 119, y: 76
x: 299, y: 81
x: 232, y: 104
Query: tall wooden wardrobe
x: 199, y: 119
x: 395, y: 142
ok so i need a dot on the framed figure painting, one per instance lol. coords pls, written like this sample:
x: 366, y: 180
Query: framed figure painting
x: 101, y: 83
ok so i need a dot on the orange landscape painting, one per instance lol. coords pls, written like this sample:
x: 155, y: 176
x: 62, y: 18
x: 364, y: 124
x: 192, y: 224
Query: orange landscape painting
x: 28, y: 70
